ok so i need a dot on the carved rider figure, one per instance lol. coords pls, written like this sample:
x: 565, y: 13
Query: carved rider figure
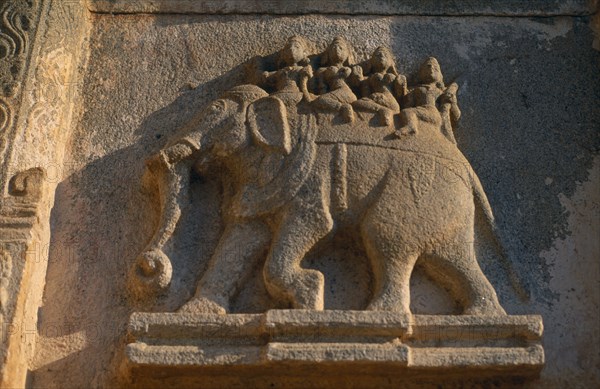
x: 293, y: 72
x: 333, y: 78
x: 425, y: 102
x: 383, y: 88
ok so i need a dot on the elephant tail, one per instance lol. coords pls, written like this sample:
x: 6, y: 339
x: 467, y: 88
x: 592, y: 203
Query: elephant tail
x: 484, y: 204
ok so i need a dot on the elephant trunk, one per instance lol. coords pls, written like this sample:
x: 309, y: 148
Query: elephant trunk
x: 152, y: 271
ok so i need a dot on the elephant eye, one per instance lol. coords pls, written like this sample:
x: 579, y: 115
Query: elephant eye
x: 218, y: 106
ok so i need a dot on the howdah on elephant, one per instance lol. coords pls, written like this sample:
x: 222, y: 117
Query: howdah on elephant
x: 291, y: 174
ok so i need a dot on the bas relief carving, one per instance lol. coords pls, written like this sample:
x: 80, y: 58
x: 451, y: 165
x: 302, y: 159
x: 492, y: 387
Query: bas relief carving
x: 17, y: 28
x: 20, y: 212
x: 311, y: 147
x: 314, y: 143
x: 14, y: 42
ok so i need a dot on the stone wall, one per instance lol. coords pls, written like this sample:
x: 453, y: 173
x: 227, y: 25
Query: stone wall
x: 529, y: 88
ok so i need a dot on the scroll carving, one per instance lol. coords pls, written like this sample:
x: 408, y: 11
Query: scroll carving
x: 14, y: 41
x: 36, y: 84
x: 17, y: 20
x: 19, y: 213
x: 15, y: 35
x: 5, y: 122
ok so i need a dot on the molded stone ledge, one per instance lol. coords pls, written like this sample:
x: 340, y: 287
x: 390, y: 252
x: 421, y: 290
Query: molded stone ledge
x: 356, y: 348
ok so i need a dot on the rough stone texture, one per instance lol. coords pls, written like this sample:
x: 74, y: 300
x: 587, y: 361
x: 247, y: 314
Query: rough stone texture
x: 329, y: 348
x: 21, y: 230
x: 528, y: 91
x: 349, y: 7
x: 40, y: 49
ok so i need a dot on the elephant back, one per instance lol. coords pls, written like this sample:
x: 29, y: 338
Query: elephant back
x: 429, y: 147
x: 428, y: 142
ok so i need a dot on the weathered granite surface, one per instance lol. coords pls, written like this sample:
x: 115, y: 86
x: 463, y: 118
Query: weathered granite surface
x: 41, y: 49
x: 299, y: 348
x: 529, y: 92
x: 349, y: 7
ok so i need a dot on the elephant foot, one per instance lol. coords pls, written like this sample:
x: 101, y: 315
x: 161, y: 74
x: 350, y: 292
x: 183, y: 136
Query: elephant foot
x: 386, y: 117
x: 404, y: 131
x: 309, y: 291
x: 389, y: 306
x: 485, y: 307
x: 347, y: 113
x: 199, y: 305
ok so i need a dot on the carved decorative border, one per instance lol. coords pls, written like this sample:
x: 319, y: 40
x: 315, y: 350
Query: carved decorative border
x: 40, y: 47
x: 15, y: 35
x: 19, y: 21
x: 20, y: 231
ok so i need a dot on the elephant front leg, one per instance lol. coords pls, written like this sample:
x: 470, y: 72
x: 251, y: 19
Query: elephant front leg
x: 299, y: 230
x: 234, y: 258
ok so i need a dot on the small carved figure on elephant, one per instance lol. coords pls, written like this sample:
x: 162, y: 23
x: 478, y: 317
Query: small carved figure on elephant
x: 382, y: 87
x: 293, y: 71
x: 425, y: 102
x: 336, y: 71
x: 286, y: 208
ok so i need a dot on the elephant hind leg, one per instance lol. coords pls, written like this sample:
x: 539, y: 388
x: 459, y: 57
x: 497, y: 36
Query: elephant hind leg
x: 456, y: 267
x: 285, y: 279
x: 393, y: 263
x: 392, y: 284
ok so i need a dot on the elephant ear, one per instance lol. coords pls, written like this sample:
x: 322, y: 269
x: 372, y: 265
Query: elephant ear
x: 267, y: 120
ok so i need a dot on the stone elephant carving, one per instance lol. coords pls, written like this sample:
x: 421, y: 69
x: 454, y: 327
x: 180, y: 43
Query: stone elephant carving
x: 289, y: 182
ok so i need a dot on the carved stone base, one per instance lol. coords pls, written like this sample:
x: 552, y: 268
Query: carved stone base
x: 299, y: 348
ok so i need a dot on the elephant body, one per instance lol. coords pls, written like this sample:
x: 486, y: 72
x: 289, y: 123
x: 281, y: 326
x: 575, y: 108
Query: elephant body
x: 294, y: 176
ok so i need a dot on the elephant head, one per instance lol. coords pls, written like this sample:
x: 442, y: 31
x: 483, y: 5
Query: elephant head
x: 247, y: 132
x: 243, y: 116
